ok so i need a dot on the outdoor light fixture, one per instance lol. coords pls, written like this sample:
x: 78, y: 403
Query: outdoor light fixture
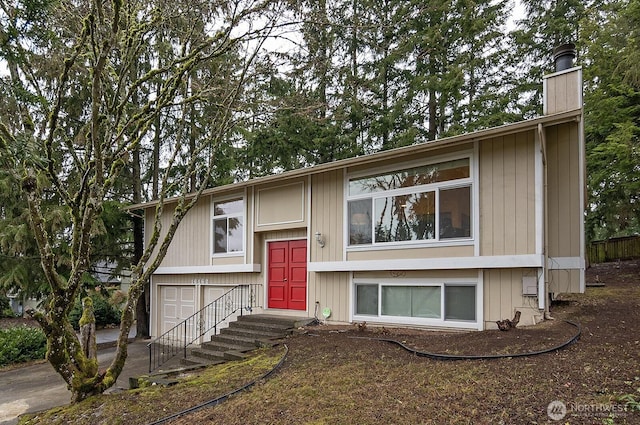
x: 320, y: 239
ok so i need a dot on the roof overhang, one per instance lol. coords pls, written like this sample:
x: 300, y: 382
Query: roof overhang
x: 532, y: 124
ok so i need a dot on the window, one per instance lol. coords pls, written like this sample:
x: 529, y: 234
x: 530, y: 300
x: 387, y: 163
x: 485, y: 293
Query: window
x: 432, y: 303
x: 228, y: 226
x: 460, y: 302
x: 411, y: 301
x: 426, y: 203
x: 367, y: 300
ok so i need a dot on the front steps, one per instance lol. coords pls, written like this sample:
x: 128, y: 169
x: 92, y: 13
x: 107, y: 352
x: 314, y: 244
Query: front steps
x: 247, y: 333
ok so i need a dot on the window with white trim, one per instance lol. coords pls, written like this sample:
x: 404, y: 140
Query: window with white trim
x: 228, y: 226
x: 427, y: 203
x: 416, y: 302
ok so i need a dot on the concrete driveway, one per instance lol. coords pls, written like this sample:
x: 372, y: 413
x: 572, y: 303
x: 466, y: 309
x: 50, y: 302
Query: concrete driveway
x: 34, y: 388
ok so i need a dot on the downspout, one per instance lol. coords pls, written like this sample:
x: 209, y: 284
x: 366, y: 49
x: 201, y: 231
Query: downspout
x: 543, y: 288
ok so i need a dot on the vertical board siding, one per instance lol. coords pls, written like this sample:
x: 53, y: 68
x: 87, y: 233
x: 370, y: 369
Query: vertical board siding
x: 330, y: 290
x: 564, y: 281
x: 563, y: 177
x: 327, y: 216
x: 507, y: 195
x: 225, y: 279
x: 503, y: 296
x: 190, y: 245
x: 563, y: 93
x: 324, y: 289
x: 282, y: 235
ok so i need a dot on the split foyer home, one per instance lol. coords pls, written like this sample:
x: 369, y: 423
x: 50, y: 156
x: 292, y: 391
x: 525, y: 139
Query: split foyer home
x: 455, y: 233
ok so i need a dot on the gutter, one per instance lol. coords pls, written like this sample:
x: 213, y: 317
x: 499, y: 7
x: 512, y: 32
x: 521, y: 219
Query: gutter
x: 532, y: 124
x: 543, y: 286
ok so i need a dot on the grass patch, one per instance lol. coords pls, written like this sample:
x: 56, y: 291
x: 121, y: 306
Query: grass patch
x: 145, y: 405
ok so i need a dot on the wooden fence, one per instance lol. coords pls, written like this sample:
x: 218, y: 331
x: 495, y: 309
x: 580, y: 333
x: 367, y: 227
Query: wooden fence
x: 623, y: 248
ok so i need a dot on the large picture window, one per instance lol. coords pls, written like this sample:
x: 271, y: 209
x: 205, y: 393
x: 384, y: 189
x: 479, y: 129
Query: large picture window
x: 228, y: 226
x: 427, y: 203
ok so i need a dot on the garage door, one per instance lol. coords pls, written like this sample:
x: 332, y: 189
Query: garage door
x: 178, y: 303
x: 216, y: 313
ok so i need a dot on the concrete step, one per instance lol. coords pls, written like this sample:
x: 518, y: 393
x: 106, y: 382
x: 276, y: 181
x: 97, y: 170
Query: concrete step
x: 192, y: 361
x: 256, y: 334
x: 287, y: 322
x: 245, y: 334
x: 235, y: 339
x: 215, y: 345
x: 235, y: 355
x: 209, y: 355
x: 260, y: 326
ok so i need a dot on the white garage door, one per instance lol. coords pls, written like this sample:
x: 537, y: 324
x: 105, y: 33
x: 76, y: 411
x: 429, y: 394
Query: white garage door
x: 178, y: 303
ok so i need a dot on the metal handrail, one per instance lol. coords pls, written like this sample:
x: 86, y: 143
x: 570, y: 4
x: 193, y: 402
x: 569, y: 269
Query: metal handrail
x: 177, y: 339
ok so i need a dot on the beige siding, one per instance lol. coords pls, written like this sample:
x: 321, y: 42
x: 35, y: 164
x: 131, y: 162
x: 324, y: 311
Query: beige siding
x: 330, y: 290
x: 564, y: 281
x: 280, y: 206
x: 283, y: 235
x: 191, y: 243
x: 414, y: 253
x: 200, y: 282
x: 225, y: 261
x: 471, y: 275
x: 503, y: 296
x: 227, y: 279
x: 563, y: 174
x: 327, y: 218
x: 507, y: 195
x: 563, y: 92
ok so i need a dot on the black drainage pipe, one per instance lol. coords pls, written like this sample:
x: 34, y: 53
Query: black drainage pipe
x: 223, y: 398
x: 435, y: 356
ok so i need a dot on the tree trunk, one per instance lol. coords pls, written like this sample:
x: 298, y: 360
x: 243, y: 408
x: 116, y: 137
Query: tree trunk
x: 142, y: 307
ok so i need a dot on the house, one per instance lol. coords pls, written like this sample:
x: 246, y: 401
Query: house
x: 455, y: 233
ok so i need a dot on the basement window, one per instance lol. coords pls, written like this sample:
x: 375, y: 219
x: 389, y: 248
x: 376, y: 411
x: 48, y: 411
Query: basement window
x: 416, y: 303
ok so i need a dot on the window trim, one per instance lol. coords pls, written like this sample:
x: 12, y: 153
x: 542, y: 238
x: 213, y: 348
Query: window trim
x: 471, y: 182
x: 420, y: 282
x: 213, y: 217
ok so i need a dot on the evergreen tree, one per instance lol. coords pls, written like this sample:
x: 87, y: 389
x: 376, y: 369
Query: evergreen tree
x: 611, y: 39
x: 547, y: 24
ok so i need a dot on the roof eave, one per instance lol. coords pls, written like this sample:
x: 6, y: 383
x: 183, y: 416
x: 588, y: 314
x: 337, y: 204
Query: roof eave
x: 479, y: 135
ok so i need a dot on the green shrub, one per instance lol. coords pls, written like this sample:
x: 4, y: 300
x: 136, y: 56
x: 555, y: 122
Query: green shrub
x: 21, y: 344
x: 5, y: 307
x: 105, y: 312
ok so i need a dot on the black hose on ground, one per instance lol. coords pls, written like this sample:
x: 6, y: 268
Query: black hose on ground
x: 435, y: 356
x: 223, y: 398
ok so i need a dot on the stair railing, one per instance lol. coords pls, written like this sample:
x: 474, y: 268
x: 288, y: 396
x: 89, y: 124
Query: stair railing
x: 175, y: 341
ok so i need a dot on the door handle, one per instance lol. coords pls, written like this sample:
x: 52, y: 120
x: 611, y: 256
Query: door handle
x: 285, y: 279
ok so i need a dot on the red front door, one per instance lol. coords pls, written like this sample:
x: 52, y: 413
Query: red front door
x: 287, y: 280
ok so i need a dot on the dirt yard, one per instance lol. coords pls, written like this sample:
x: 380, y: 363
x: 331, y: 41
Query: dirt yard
x: 340, y: 375
x: 330, y: 377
